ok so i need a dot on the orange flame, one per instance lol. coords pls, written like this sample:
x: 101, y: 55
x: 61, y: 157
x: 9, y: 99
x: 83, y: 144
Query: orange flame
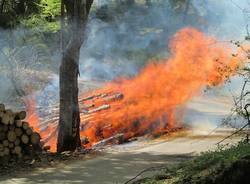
x: 48, y: 135
x: 151, y: 98
x: 32, y: 117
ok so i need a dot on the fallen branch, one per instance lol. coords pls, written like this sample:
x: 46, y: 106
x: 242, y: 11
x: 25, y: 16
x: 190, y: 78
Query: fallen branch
x: 157, y: 168
x: 108, y: 140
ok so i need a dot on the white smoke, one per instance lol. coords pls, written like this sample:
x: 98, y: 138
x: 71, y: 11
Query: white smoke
x: 121, y: 40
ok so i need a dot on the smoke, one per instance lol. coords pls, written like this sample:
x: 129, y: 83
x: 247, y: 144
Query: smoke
x: 232, y: 17
x: 26, y: 62
x: 121, y: 39
x: 126, y: 42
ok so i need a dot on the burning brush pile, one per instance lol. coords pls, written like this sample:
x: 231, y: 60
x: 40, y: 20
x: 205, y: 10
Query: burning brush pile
x: 95, y: 134
x: 151, y: 102
x: 17, y: 138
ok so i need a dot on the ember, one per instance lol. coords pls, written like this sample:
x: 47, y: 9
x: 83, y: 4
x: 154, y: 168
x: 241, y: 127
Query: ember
x: 148, y: 102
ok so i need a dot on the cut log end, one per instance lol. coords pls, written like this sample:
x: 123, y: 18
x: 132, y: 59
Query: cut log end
x: 20, y: 115
x: 25, y: 139
x: 35, y: 138
x: 11, y: 136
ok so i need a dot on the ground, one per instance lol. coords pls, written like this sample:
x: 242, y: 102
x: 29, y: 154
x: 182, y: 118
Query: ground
x: 118, y: 164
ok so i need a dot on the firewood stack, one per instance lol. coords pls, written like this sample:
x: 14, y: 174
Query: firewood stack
x: 17, y: 138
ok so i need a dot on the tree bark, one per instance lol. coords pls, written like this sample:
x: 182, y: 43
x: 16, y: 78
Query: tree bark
x: 69, y: 120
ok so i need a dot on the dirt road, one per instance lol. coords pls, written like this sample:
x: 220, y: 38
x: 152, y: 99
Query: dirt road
x: 120, y: 163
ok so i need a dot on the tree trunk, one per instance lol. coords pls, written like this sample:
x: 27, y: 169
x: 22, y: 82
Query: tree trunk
x: 69, y: 120
x: 68, y: 138
x: 21, y: 7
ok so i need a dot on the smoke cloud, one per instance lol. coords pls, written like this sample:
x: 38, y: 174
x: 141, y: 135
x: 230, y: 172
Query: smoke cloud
x: 120, y: 40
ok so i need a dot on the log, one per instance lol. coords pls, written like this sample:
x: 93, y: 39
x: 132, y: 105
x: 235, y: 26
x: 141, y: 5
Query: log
x: 117, y: 96
x: 8, y: 117
x: 11, y: 127
x: 29, y: 131
x: 11, y: 136
x: 88, y: 98
x: 102, y: 107
x: 86, y: 106
x: 1, y: 153
x: 18, y: 150
x: 109, y: 140
x: 2, y: 136
x: 35, y: 138
x: 5, y: 128
x: 19, y: 123
x: 6, y: 151
x: 17, y: 142
x: 1, y: 147
x: 5, y: 118
x: 6, y: 143
x: 1, y: 128
x: 20, y: 115
x: 12, y: 119
x: 25, y: 139
x: 16, y: 136
x: 20, y: 155
x: 11, y: 145
x: 18, y: 132
x: 25, y: 125
x: 12, y: 151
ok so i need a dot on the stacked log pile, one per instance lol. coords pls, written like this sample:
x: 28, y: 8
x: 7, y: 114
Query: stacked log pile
x: 17, y: 137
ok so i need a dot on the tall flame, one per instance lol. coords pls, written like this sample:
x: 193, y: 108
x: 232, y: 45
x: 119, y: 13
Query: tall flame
x: 32, y: 117
x: 151, y: 98
x: 48, y: 135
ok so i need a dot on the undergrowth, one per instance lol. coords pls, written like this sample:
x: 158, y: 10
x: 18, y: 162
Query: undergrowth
x: 202, y: 169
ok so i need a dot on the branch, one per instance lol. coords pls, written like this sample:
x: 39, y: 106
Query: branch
x: 233, y: 133
x: 247, y: 124
x: 146, y: 170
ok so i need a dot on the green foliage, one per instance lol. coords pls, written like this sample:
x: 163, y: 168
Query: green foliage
x: 41, y: 15
x: 50, y: 9
x: 12, y: 11
x: 212, y: 161
x: 47, y: 19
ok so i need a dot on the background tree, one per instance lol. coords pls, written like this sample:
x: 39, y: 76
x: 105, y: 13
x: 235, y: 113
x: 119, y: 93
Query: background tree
x: 11, y: 11
x: 77, y: 12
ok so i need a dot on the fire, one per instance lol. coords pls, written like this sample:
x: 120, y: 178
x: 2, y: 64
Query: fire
x: 32, y: 118
x: 48, y: 135
x: 150, y: 100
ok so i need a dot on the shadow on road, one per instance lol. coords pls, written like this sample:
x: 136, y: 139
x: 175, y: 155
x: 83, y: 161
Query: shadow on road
x: 108, y: 169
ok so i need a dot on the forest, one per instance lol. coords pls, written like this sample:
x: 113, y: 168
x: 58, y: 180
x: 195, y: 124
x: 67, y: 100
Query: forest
x: 124, y: 91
